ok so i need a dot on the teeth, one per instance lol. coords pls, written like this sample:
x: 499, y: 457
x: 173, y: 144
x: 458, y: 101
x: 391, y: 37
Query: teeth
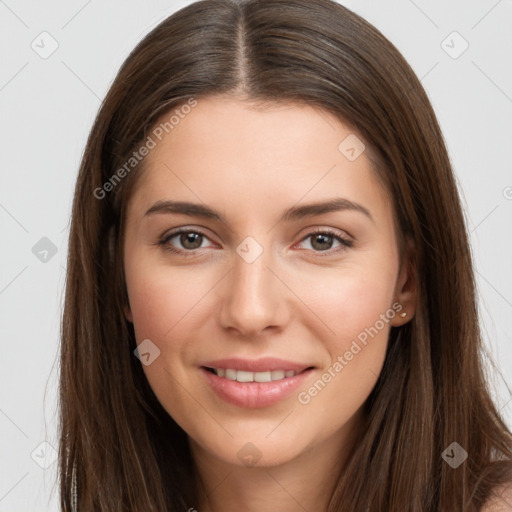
x: 263, y: 377
x: 243, y: 376
x: 230, y: 374
x: 277, y: 374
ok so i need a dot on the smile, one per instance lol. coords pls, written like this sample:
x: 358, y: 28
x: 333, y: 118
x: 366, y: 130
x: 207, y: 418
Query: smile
x: 245, y: 376
x: 254, y: 384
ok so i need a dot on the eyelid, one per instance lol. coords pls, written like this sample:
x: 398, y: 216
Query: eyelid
x: 346, y: 242
x: 166, y: 237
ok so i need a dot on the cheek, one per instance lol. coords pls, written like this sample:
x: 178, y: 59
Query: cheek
x: 349, y: 301
x: 342, y: 305
x: 165, y: 306
x: 356, y: 308
x: 160, y: 299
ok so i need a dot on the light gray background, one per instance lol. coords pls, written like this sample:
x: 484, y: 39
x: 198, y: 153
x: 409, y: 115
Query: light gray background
x: 48, y: 106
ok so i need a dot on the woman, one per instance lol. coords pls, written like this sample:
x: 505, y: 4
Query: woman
x: 270, y: 301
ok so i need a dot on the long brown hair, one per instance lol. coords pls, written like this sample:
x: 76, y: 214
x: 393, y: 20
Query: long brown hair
x: 117, y: 443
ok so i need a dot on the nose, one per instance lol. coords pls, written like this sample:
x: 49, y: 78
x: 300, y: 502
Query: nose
x: 253, y: 298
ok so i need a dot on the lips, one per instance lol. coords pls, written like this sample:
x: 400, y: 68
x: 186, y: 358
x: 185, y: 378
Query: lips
x: 256, y: 383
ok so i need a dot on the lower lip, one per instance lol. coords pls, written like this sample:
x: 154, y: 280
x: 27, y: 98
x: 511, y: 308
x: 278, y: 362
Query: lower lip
x: 253, y: 395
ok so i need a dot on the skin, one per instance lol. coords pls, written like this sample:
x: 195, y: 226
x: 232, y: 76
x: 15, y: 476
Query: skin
x: 295, y: 301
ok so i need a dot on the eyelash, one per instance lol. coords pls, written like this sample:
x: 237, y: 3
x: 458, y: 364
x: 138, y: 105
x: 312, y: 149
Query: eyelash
x: 164, y: 242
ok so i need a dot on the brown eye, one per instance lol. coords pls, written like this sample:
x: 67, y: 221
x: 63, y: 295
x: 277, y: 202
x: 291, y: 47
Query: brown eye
x: 322, y: 240
x: 191, y: 240
x: 187, y: 241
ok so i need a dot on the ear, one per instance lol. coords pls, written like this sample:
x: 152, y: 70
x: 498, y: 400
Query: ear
x: 128, y: 313
x: 111, y: 241
x: 406, y: 287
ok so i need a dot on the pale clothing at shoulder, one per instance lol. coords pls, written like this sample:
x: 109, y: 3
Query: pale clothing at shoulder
x: 500, y: 500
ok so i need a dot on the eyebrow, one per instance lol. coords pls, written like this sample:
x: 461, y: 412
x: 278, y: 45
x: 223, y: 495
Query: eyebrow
x: 291, y: 214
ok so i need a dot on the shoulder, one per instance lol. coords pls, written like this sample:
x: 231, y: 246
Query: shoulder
x: 500, y: 499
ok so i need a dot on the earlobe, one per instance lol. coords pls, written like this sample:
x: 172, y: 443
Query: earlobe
x: 128, y: 313
x: 406, y: 289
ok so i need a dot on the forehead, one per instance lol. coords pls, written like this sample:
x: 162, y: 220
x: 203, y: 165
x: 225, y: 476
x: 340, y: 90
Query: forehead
x: 269, y: 134
x: 227, y: 151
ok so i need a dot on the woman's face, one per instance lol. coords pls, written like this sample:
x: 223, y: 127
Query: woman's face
x: 289, y: 304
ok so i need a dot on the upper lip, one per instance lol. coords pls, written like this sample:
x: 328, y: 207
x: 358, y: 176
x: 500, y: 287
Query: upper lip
x: 264, y: 364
